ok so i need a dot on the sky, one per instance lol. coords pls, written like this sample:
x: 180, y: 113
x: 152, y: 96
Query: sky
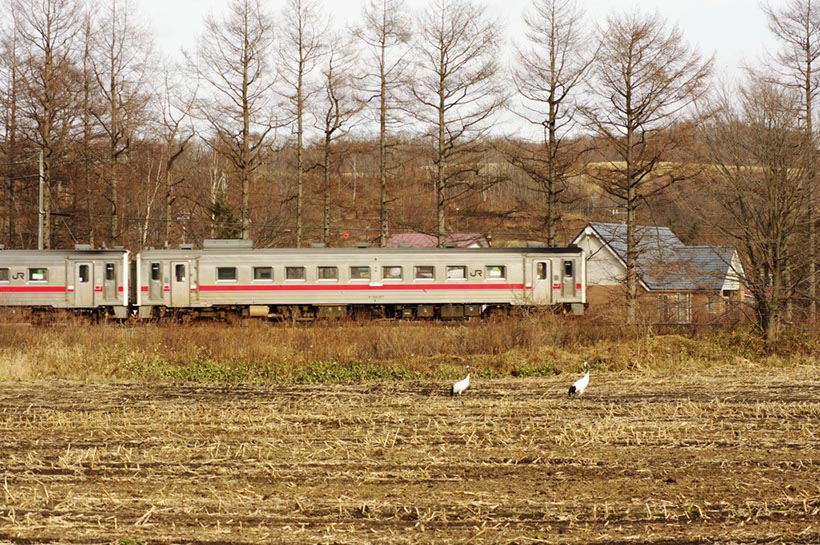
x: 734, y: 30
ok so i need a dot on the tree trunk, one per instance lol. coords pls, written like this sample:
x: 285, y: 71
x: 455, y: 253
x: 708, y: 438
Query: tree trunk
x: 383, y: 226
x: 300, y: 190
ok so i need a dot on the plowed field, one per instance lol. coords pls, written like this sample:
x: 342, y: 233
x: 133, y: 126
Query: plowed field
x: 718, y: 456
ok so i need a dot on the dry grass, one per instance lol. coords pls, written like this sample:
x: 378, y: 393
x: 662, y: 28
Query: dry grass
x: 540, y: 345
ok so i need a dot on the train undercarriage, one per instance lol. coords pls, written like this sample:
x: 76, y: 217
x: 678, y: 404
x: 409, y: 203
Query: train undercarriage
x: 309, y: 313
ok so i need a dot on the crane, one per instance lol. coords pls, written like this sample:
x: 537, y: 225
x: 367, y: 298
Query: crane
x: 461, y: 385
x: 581, y: 384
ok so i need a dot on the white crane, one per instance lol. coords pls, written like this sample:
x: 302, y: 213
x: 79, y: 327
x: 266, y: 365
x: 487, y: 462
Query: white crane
x: 461, y: 385
x: 581, y: 384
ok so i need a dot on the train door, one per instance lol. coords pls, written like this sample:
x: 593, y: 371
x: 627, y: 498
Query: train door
x: 155, y: 281
x: 541, y: 281
x: 180, y: 284
x: 110, y: 282
x: 83, y: 284
x: 568, y: 279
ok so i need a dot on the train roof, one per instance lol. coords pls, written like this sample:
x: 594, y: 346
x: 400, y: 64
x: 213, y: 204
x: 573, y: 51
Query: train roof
x: 63, y: 252
x: 358, y: 251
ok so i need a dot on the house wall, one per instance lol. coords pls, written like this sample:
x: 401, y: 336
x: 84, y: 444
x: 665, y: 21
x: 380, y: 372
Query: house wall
x: 732, y: 281
x: 603, y: 268
x: 608, y: 304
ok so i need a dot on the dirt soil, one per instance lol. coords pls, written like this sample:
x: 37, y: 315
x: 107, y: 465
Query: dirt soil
x: 724, y: 456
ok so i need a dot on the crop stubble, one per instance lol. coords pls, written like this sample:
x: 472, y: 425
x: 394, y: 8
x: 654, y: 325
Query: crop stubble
x: 712, y: 456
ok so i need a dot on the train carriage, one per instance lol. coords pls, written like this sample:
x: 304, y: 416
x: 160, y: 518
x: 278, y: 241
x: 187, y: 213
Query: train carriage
x: 231, y: 278
x: 90, y: 281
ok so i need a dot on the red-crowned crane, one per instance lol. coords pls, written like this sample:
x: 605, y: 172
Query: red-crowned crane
x: 581, y: 384
x: 461, y: 385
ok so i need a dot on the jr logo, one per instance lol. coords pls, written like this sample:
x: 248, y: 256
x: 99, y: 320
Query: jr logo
x: 18, y: 276
x: 477, y: 272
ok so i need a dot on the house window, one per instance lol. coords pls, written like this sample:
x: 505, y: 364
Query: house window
x: 675, y: 308
x: 392, y: 272
x: 263, y: 273
x: 39, y: 274
x: 425, y: 272
x: 328, y: 273
x: 714, y: 304
x: 684, y: 308
x: 360, y: 273
x: 495, y: 272
x: 456, y: 272
x: 4, y: 275
x: 295, y: 273
x: 227, y: 274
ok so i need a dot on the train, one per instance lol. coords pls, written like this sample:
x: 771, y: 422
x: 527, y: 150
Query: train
x: 231, y: 279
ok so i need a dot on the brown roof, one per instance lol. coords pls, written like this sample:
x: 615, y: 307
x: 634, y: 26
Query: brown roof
x: 424, y: 240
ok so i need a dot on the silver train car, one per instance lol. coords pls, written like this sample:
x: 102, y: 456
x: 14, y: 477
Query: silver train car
x: 231, y: 279
x: 83, y: 280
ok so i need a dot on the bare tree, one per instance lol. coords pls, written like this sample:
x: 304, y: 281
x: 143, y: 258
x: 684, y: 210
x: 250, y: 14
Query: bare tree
x: 88, y: 102
x: 237, y: 103
x: 755, y: 191
x: 121, y: 64
x: 10, y: 144
x: 458, y: 92
x: 302, y: 45
x: 177, y: 132
x: 47, y: 32
x: 551, y: 68
x: 796, y: 25
x: 645, y: 79
x: 386, y: 33
x: 337, y: 110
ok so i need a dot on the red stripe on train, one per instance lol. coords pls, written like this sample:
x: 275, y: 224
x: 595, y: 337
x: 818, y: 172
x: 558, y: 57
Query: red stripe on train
x: 32, y: 289
x: 362, y: 287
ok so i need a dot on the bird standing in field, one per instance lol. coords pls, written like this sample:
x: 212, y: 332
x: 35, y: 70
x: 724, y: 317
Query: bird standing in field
x: 461, y: 385
x: 581, y: 384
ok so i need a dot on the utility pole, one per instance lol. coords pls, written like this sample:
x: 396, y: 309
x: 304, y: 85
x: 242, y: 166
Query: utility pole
x: 41, y: 212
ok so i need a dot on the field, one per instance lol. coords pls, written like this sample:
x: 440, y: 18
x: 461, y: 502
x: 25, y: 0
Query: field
x: 720, y: 454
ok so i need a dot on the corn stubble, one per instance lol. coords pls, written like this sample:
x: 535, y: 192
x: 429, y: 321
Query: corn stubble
x: 693, y: 445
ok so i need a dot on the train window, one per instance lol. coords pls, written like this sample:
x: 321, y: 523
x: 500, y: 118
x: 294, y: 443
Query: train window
x: 456, y: 272
x: 4, y: 275
x: 541, y: 271
x: 38, y: 275
x: 110, y: 271
x: 327, y: 273
x: 155, y: 272
x: 392, y: 272
x: 495, y: 271
x: 179, y: 272
x: 83, y: 274
x: 360, y: 273
x: 567, y: 268
x: 295, y: 273
x: 263, y: 273
x: 425, y: 272
x: 226, y: 273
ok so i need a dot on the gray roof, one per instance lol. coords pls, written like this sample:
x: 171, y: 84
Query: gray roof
x: 665, y: 263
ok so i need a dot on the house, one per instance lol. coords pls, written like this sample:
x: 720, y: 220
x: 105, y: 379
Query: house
x: 677, y: 283
x: 425, y: 240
